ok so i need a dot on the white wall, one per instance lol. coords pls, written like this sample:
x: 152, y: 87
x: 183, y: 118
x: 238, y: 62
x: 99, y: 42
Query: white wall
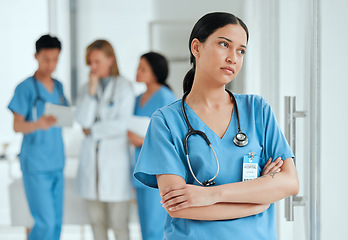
x: 334, y: 115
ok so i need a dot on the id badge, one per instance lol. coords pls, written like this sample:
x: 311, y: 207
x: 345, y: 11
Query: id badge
x: 250, y: 167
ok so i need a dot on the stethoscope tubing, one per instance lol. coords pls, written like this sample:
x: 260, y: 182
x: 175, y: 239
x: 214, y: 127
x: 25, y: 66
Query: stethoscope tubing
x: 39, y: 98
x: 238, y: 140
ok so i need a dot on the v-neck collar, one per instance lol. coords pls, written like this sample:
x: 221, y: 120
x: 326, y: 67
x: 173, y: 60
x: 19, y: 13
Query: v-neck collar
x: 43, y: 86
x: 201, y: 122
x: 151, y: 97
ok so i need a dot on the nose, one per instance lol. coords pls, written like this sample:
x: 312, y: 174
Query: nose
x: 231, y: 58
x: 52, y: 66
x: 93, y: 67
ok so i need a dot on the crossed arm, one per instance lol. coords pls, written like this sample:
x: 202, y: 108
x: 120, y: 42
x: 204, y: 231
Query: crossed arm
x: 228, y: 201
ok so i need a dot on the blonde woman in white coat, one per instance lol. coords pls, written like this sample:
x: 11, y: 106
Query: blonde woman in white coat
x: 103, y: 108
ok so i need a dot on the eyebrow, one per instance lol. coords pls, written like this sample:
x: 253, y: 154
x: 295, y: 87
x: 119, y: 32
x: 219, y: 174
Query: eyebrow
x: 229, y: 40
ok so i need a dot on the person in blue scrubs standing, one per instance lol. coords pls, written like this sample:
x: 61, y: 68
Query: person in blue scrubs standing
x: 153, y: 71
x: 42, y: 152
x: 213, y: 189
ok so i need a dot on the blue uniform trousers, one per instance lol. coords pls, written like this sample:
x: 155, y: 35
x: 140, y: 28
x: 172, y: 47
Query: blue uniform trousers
x: 44, y: 192
x: 152, y: 215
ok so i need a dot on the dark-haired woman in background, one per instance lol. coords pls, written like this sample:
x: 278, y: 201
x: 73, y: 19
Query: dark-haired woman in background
x: 153, y: 71
x: 217, y: 152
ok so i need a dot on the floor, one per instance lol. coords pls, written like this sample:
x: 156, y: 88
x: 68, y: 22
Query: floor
x: 10, y: 171
x: 68, y: 233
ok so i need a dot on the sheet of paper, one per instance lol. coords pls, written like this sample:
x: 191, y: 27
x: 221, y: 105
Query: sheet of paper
x: 138, y: 125
x: 65, y: 115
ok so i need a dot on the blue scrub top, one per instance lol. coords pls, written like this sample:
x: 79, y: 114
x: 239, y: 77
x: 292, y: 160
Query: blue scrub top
x: 160, y: 98
x: 163, y: 153
x: 42, y: 150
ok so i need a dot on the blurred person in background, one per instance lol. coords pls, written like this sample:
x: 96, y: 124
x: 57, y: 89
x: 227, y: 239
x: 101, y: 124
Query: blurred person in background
x: 42, y: 152
x: 153, y: 71
x: 103, y: 107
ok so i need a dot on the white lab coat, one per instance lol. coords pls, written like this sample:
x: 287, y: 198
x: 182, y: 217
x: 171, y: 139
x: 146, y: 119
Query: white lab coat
x: 112, y: 163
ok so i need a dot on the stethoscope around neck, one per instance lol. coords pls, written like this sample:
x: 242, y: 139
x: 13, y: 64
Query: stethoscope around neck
x: 239, y: 140
x: 38, y: 98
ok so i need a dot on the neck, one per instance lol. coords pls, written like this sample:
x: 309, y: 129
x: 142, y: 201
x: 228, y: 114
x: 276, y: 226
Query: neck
x: 42, y: 77
x: 203, y: 92
x: 105, y: 76
x: 152, y: 87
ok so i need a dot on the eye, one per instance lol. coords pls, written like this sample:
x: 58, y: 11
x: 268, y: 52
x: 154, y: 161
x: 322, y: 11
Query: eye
x: 241, y: 51
x: 224, y: 44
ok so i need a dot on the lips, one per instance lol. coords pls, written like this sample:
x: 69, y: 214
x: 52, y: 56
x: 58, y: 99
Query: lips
x: 228, y: 70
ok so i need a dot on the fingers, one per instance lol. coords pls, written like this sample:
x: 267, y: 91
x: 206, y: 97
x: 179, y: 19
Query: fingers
x: 87, y: 131
x: 46, y: 122
x: 171, y: 188
x: 172, y: 192
x: 277, y: 167
x: 174, y: 202
x: 179, y: 206
x: 267, y: 167
x: 51, y: 119
x: 272, y: 166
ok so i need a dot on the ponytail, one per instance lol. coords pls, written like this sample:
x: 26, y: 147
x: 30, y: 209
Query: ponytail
x: 188, y: 79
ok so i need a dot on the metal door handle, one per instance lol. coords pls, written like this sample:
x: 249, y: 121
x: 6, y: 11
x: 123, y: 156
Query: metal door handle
x: 290, y: 133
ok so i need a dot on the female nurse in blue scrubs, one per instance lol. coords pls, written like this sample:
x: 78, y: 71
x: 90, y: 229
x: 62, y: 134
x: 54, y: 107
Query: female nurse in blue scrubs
x: 42, y: 152
x: 204, y: 201
x: 153, y: 71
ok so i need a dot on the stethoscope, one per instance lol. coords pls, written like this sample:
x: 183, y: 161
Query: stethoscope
x: 39, y: 98
x: 239, y: 140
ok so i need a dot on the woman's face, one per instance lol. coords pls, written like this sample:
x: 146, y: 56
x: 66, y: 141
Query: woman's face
x: 100, y: 64
x: 220, y: 57
x: 145, y: 73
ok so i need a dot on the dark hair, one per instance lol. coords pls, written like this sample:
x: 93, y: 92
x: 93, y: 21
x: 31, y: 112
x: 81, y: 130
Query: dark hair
x: 46, y: 41
x: 159, y: 66
x: 204, y: 27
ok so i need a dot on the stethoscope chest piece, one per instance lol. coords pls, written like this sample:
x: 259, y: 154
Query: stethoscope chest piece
x: 208, y: 183
x: 241, y: 139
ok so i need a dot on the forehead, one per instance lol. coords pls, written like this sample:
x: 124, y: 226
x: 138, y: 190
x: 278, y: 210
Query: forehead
x: 143, y: 62
x: 98, y: 55
x: 234, y: 32
x: 49, y: 52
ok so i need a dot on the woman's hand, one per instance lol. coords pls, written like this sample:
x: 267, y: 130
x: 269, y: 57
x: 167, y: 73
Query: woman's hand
x: 86, y: 131
x: 274, y: 166
x: 134, y: 139
x: 93, y: 83
x: 178, y: 197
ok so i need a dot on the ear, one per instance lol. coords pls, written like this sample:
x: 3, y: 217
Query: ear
x: 35, y: 55
x: 195, y: 47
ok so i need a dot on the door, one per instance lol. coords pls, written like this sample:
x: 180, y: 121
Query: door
x: 282, y: 67
x: 298, y: 216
